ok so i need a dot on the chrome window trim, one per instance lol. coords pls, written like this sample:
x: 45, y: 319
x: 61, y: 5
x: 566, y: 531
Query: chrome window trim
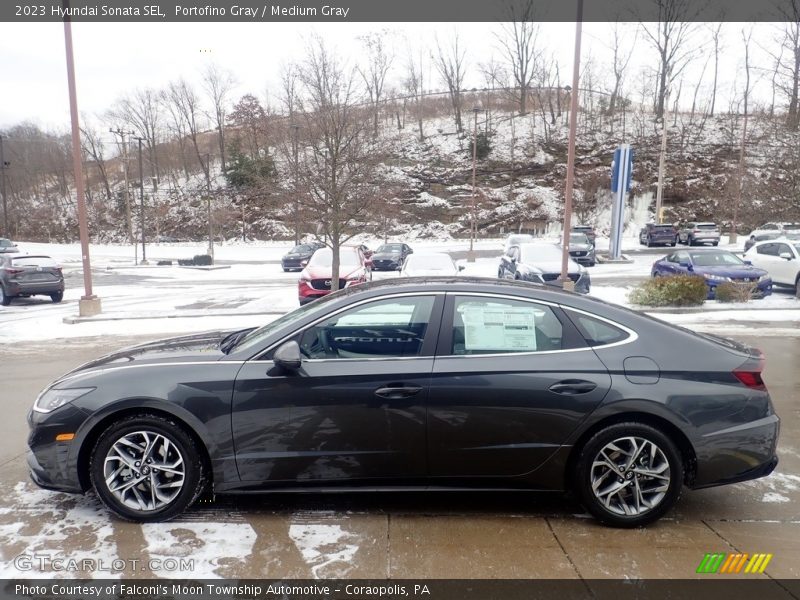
x: 632, y: 335
x: 258, y: 357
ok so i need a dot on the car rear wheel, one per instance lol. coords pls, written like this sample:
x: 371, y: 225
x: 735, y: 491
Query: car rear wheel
x: 4, y: 299
x: 146, y: 468
x: 57, y: 297
x: 797, y: 286
x: 629, y: 474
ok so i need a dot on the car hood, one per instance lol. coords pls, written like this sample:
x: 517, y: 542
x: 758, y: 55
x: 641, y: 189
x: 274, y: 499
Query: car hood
x: 188, y: 348
x: 386, y: 255
x: 318, y: 272
x: 298, y: 255
x: 425, y: 271
x: 552, y: 266
x: 735, y: 272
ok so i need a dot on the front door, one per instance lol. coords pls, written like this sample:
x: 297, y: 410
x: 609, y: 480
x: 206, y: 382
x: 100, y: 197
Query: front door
x: 355, y: 410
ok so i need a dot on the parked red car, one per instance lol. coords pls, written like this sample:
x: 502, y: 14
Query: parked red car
x: 315, y: 279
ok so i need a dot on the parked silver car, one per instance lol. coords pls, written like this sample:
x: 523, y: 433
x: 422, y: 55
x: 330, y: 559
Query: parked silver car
x: 7, y: 246
x: 694, y: 233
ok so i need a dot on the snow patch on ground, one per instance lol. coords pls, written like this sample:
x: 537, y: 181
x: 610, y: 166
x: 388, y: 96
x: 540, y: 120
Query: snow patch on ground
x: 327, y: 548
x: 773, y: 497
x: 211, y: 548
x: 63, y: 527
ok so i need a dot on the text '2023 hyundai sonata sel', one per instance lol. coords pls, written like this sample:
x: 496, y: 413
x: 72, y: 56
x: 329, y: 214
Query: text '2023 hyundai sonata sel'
x: 417, y: 383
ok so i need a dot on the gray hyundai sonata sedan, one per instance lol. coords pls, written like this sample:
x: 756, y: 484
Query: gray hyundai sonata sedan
x: 433, y: 383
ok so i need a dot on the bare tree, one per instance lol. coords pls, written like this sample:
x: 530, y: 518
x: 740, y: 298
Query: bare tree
x: 186, y: 104
x: 339, y: 165
x: 379, y: 60
x: 518, y: 42
x: 415, y: 85
x: 789, y: 62
x: 450, y: 62
x: 141, y: 111
x: 716, y: 37
x: 250, y: 119
x: 621, y: 58
x: 746, y: 98
x: 94, y: 148
x: 671, y: 38
x: 218, y: 83
x: 288, y: 76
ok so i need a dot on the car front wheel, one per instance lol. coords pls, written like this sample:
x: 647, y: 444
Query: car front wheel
x: 5, y: 300
x: 629, y: 474
x: 146, y: 468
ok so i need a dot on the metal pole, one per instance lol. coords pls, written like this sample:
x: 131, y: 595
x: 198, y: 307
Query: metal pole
x: 662, y: 158
x: 472, y: 230
x: 89, y: 303
x: 566, y: 283
x: 3, y: 189
x: 208, y: 197
x: 296, y: 190
x: 141, y: 198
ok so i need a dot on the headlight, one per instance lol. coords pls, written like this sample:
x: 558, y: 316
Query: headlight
x: 51, y: 399
x: 716, y: 277
x: 763, y: 278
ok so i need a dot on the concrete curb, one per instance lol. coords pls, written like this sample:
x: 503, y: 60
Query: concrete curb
x: 100, y: 318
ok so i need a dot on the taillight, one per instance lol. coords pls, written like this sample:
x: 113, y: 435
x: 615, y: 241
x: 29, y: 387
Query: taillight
x: 11, y: 271
x: 751, y: 377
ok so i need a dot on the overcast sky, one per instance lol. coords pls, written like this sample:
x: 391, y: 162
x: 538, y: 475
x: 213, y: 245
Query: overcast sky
x: 113, y: 58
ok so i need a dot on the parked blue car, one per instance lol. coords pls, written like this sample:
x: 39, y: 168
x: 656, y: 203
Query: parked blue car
x: 716, y: 266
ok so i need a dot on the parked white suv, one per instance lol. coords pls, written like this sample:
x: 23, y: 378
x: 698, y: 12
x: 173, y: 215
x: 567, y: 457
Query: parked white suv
x: 780, y: 258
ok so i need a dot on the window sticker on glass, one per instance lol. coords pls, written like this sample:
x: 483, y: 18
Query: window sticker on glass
x: 501, y: 328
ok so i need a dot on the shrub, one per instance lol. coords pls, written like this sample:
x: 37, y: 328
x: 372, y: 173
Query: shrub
x: 164, y: 263
x: 735, y: 292
x: 202, y: 259
x: 680, y: 290
x: 186, y: 262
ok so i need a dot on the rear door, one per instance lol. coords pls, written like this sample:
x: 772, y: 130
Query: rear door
x: 512, y: 379
x: 766, y: 257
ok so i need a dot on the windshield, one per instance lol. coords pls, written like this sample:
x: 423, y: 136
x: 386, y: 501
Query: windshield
x: 533, y: 253
x: 324, y: 258
x: 301, y: 249
x: 391, y: 248
x: 257, y: 336
x: 662, y: 228
x: 715, y: 259
x: 6, y: 243
x: 430, y: 262
x: 34, y: 261
x: 578, y: 238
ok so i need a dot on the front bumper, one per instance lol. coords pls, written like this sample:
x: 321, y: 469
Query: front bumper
x: 54, y: 465
x: 763, y: 289
x: 386, y: 265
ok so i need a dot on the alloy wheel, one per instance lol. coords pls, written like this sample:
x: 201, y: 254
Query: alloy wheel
x: 630, y: 476
x: 144, y: 470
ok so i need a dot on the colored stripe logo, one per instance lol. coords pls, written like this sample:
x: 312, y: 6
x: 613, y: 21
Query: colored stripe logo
x: 721, y: 562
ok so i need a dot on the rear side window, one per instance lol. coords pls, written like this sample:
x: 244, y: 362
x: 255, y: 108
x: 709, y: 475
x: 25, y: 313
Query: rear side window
x: 34, y: 261
x: 706, y: 226
x: 597, y: 332
x: 503, y: 326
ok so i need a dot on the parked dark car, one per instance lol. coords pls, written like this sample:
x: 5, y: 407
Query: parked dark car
x: 581, y: 250
x: 390, y: 257
x: 7, y: 246
x: 541, y: 263
x: 653, y: 234
x: 587, y: 229
x: 694, y: 233
x: 715, y: 266
x: 23, y: 275
x: 501, y: 385
x: 761, y: 237
x: 315, y: 280
x: 298, y: 257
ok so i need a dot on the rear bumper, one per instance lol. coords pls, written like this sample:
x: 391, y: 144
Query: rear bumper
x: 44, y: 287
x: 738, y: 453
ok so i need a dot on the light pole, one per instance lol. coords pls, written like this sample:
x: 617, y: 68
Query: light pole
x: 208, y: 205
x: 3, y: 165
x: 566, y: 283
x: 295, y: 129
x: 141, y: 198
x: 89, y: 304
x: 472, y: 224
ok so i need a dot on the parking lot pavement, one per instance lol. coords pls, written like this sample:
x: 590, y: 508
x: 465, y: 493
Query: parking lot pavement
x: 397, y: 535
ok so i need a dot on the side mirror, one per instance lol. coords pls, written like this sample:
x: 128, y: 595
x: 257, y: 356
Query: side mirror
x: 288, y: 356
x: 410, y: 251
x: 303, y: 263
x: 786, y: 256
x: 461, y: 268
x: 513, y: 260
x: 685, y: 265
x: 748, y: 262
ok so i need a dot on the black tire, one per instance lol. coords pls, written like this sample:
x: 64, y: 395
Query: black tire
x: 57, y: 297
x: 673, y: 244
x: 4, y: 299
x: 797, y: 287
x: 715, y: 243
x: 649, y: 243
x: 591, y: 264
x: 285, y: 270
x: 664, y: 496
x: 499, y: 273
x: 194, y: 481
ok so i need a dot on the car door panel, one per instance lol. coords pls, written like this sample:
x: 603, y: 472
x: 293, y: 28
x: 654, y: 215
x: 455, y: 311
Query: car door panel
x: 505, y: 415
x: 354, y: 417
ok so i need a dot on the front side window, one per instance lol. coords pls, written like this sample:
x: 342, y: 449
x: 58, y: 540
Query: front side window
x: 501, y: 326
x: 784, y: 249
x: 768, y: 249
x: 392, y: 328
